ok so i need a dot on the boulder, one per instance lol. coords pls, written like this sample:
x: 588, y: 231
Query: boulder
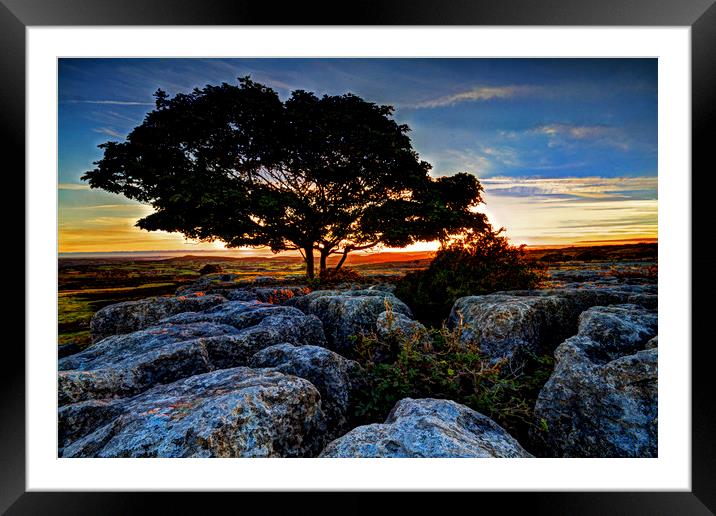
x: 266, y: 280
x: 618, y: 329
x: 242, y: 314
x: 516, y: 324
x: 601, y: 400
x: 138, y: 342
x: 235, y: 412
x: 278, y: 295
x: 581, y: 296
x: 125, y: 365
x: 274, y: 295
x: 329, y: 372
x: 350, y: 313
x: 303, y: 303
x: 237, y: 292
x: 384, y: 287
x: 511, y: 327
x: 213, y: 283
x: 428, y: 428
x: 131, y: 316
x: 396, y: 326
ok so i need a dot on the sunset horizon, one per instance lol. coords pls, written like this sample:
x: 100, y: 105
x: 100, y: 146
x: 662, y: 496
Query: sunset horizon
x: 562, y: 161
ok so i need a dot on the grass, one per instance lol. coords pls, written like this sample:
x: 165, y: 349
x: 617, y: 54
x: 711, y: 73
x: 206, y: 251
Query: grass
x: 439, y: 365
x: 87, y: 285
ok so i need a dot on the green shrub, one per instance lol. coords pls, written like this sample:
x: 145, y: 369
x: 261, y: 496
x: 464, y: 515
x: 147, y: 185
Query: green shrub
x: 480, y: 263
x: 440, y: 366
x: 342, y: 275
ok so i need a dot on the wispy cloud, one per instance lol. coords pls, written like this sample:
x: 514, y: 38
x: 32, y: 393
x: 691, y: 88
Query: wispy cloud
x: 72, y: 186
x: 572, y: 209
x: 466, y: 160
x: 110, y: 102
x: 478, y: 93
x: 504, y: 155
x: 576, y: 188
x: 563, y: 133
x: 481, y: 161
x: 108, y: 131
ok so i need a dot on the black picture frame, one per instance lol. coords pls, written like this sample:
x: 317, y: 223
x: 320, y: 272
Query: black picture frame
x: 700, y: 15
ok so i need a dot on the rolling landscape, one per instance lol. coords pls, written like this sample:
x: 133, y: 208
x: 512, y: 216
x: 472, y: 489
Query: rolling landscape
x: 87, y: 284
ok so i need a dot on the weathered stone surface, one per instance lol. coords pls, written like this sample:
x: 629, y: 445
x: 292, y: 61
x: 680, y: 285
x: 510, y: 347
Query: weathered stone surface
x: 428, y: 428
x: 511, y: 327
x: 278, y: 295
x: 266, y: 280
x: 242, y: 314
x: 329, y: 372
x: 238, y: 294
x: 125, y: 365
x: 80, y: 419
x: 136, y: 315
x: 303, y: 303
x: 601, y: 400
x: 618, y: 329
x: 65, y: 350
x: 235, y: 412
x: 646, y: 300
x: 516, y: 323
x: 390, y: 325
x: 582, y: 296
x: 241, y: 290
x: 119, y: 347
x: 383, y: 287
x: 345, y: 314
x: 213, y: 283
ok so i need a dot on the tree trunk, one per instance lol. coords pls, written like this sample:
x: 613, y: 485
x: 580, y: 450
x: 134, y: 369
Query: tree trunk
x: 324, y: 258
x: 308, y: 258
x: 342, y: 260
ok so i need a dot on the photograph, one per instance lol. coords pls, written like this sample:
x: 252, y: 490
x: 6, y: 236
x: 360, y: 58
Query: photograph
x: 357, y: 257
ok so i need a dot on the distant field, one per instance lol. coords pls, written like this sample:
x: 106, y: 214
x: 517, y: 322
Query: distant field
x: 87, y: 284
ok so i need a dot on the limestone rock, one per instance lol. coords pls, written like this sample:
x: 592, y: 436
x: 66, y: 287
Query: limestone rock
x: 346, y: 314
x: 601, y: 400
x: 329, y: 372
x: 428, y: 428
x: 131, y: 316
x: 235, y: 412
x: 125, y: 365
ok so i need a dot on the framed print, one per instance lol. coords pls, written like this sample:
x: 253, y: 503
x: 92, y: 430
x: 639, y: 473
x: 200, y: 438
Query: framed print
x: 266, y: 248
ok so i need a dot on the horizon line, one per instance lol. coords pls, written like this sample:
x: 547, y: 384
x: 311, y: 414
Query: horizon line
x: 268, y: 254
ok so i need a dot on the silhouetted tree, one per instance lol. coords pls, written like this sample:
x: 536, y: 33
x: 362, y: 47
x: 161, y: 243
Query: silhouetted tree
x: 326, y: 175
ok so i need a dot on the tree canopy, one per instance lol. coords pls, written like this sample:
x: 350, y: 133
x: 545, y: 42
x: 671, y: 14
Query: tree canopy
x: 321, y: 175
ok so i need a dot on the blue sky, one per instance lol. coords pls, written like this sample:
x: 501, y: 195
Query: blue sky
x: 566, y: 148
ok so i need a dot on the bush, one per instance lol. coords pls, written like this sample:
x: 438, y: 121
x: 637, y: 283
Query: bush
x: 210, y: 268
x: 440, y: 366
x: 480, y: 263
x: 342, y: 275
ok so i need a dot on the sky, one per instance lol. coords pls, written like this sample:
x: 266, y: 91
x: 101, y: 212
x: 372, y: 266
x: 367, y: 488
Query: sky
x: 566, y: 149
